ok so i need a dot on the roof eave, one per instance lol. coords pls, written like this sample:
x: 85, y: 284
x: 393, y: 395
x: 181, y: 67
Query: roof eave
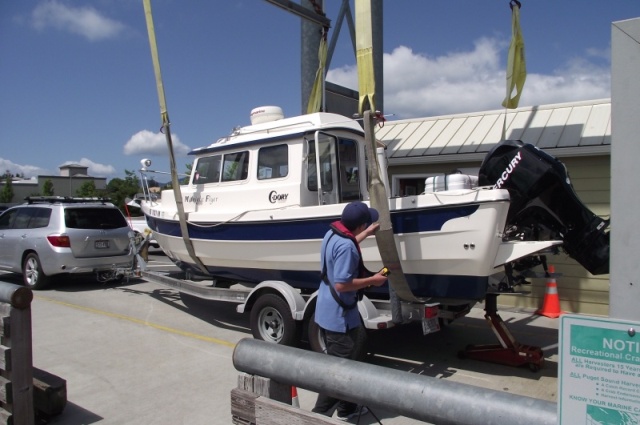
x: 581, y: 151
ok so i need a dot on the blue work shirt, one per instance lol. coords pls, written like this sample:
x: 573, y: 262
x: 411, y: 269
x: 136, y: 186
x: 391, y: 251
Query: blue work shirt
x: 342, y: 261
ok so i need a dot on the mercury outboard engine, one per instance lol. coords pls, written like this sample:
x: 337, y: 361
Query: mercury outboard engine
x: 544, y: 205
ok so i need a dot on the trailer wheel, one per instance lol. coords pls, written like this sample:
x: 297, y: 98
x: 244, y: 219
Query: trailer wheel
x: 316, y: 341
x: 271, y: 321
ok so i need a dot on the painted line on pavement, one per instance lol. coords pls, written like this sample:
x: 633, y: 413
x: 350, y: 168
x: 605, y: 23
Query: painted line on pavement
x: 140, y: 322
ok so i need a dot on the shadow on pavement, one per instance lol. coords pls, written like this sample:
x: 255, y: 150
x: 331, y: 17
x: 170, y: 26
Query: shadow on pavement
x: 437, y: 354
x: 72, y: 415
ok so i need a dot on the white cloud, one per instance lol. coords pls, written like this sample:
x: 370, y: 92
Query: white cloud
x: 147, y: 142
x: 95, y: 169
x: 27, y: 170
x: 85, y: 21
x: 417, y: 85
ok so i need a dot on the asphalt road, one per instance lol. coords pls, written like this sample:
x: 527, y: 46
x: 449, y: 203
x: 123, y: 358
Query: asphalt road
x: 135, y: 353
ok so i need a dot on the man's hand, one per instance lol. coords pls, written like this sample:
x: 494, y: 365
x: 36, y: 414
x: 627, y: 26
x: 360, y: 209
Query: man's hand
x: 373, y: 227
x: 378, y: 279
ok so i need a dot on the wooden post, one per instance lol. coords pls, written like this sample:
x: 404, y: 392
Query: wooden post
x: 16, y: 360
x: 262, y: 401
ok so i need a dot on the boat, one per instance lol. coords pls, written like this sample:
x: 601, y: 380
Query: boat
x: 259, y: 201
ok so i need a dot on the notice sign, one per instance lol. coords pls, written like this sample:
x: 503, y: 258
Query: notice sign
x: 599, y: 371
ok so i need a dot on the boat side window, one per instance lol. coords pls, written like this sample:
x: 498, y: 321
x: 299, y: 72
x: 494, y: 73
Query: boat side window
x: 336, y: 170
x: 327, y: 165
x: 273, y: 162
x: 235, y: 166
x: 349, y: 172
x: 207, y: 170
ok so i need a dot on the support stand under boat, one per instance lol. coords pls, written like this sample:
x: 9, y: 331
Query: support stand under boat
x: 509, y: 352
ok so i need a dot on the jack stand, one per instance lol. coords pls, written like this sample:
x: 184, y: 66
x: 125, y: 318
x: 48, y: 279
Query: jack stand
x: 509, y: 352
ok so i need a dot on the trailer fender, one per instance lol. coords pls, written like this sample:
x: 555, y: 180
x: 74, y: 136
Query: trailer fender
x: 367, y: 310
x: 290, y: 295
x: 310, y: 306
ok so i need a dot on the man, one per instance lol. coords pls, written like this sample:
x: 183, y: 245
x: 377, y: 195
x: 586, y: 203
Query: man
x: 343, y: 275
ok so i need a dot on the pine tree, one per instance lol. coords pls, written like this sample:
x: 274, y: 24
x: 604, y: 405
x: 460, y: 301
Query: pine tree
x: 47, y: 188
x: 6, y: 195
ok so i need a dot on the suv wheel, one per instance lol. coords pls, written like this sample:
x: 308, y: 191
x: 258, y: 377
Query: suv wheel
x: 32, y: 274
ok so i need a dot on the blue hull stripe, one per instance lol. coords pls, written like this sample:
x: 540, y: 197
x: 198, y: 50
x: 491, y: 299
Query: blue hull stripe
x: 433, y: 286
x: 406, y: 221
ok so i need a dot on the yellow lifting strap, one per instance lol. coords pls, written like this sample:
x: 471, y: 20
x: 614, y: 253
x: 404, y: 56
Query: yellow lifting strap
x: 164, y: 115
x: 315, y: 98
x: 516, y: 64
x: 364, y: 56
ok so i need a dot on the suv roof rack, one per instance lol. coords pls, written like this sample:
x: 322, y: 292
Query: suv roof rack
x: 64, y: 199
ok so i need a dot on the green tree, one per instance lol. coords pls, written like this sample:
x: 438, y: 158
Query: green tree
x: 87, y: 190
x: 189, y: 170
x: 47, y: 188
x: 120, y: 189
x: 6, y: 195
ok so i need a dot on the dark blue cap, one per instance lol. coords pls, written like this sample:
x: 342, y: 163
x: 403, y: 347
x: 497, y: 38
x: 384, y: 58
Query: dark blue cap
x: 357, y: 213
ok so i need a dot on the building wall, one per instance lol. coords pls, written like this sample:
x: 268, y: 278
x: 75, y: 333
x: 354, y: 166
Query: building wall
x: 579, y: 291
x: 62, y: 186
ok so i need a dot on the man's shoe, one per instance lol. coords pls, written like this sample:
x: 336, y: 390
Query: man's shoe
x: 360, y: 411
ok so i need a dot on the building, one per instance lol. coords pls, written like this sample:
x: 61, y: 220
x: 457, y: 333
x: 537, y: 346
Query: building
x: 67, y: 183
x: 578, y: 134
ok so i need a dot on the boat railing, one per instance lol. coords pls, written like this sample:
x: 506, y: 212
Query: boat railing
x: 147, y: 193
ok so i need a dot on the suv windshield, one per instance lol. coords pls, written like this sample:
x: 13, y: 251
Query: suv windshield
x: 94, y: 218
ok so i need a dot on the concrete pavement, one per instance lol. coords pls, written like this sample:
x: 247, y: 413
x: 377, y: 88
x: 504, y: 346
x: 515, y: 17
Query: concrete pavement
x: 135, y: 354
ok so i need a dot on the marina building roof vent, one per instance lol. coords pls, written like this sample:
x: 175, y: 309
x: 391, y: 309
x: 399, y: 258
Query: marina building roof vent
x: 264, y: 114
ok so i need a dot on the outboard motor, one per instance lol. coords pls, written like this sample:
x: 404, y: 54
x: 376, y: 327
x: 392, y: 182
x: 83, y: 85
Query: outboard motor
x: 544, y: 205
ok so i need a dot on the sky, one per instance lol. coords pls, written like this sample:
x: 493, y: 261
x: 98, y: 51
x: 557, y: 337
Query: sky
x: 77, y: 82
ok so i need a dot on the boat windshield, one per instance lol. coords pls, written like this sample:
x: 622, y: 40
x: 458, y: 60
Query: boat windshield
x: 227, y: 168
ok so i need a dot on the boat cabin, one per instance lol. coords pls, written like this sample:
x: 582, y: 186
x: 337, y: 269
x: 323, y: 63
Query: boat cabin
x: 276, y: 164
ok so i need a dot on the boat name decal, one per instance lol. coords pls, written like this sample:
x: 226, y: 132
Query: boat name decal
x: 275, y: 196
x: 199, y: 200
x: 507, y: 171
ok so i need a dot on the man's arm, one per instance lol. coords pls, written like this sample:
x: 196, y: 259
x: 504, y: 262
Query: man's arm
x: 367, y: 232
x: 356, y: 284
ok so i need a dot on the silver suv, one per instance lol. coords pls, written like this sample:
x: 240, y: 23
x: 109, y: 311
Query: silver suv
x: 53, y: 235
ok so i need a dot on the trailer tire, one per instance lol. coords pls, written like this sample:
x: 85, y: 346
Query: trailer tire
x: 271, y: 321
x: 317, y: 343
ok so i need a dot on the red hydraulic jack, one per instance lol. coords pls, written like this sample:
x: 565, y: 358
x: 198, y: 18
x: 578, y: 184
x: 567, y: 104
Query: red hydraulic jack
x: 509, y: 352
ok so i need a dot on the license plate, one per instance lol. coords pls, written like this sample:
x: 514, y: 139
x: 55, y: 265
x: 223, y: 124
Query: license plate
x: 102, y: 244
x: 430, y: 325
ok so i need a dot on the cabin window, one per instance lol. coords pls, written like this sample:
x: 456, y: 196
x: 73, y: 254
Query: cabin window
x: 349, y: 172
x: 339, y: 172
x: 235, y: 166
x: 208, y: 170
x: 327, y: 165
x: 273, y: 162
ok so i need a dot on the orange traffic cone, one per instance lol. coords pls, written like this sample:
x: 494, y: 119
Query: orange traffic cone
x: 294, y: 397
x: 551, y: 304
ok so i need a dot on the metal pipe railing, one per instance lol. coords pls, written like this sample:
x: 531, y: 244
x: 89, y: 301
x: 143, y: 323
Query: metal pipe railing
x: 414, y: 396
x: 19, y: 297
